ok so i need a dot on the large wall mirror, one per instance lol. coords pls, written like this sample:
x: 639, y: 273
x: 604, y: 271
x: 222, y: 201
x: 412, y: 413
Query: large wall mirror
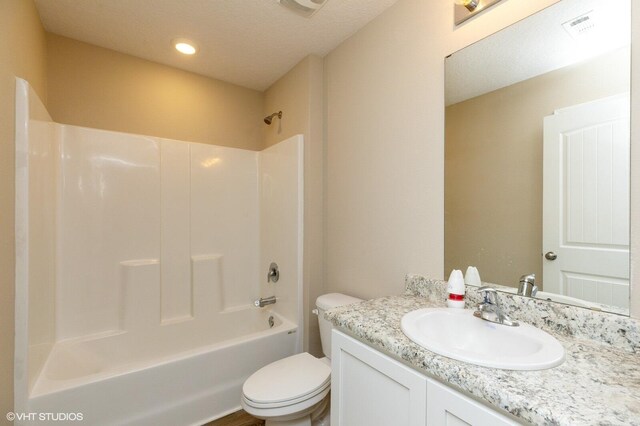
x: 537, y: 154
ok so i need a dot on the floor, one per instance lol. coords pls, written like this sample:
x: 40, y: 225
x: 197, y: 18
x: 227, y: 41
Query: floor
x: 239, y: 418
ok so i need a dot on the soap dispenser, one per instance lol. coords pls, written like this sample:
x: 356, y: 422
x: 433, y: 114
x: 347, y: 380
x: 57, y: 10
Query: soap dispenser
x: 456, y: 290
x: 472, y: 277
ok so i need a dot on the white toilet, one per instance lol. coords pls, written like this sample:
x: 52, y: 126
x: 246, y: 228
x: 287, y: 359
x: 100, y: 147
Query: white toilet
x: 294, y: 391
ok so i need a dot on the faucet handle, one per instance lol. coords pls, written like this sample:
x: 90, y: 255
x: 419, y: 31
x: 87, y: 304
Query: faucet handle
x: 528, y: 278
x: 486, y: 292
x: 534, y: 291
x: 527, y: 286
x: 490, y: 310
x: 274, y: 273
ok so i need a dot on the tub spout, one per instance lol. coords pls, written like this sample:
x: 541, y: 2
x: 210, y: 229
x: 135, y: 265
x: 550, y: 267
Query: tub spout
x: 264, y: 301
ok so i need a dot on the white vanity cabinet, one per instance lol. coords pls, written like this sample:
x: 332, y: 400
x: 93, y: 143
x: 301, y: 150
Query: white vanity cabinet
x: 369, y: 388
x: 446, y: 406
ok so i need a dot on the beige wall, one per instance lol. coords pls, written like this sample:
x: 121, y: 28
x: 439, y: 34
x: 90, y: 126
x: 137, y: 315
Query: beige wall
x: 493, y: 166
x: 384, y: 158
x: 100, y: 88
x: 384, y: 174
x: 298, y: 94
x: 22, y: 54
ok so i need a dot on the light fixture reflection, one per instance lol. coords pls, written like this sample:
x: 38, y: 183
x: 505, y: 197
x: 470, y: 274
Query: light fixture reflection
x: 210, y: 162
x: 471, y: 5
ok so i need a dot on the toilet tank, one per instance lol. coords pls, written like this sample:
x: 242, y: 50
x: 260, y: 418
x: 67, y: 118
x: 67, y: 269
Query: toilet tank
x: 328, y: 301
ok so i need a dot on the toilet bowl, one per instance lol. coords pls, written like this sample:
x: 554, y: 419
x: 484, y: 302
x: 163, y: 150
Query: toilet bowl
x: 294, y: 391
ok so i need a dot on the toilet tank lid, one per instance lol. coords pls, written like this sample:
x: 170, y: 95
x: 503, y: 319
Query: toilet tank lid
x: 333, y: 300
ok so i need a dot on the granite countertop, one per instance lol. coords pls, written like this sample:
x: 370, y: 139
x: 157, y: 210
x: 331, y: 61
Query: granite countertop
x: 597, y: 384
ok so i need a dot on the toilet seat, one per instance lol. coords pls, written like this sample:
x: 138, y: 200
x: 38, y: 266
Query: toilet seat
x: 295, y: 401
x: 289, y: 381
x: 288, y: 412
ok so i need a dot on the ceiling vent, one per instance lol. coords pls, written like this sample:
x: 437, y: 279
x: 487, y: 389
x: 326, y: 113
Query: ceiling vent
x: 580, y: 26
x: 306, y: 8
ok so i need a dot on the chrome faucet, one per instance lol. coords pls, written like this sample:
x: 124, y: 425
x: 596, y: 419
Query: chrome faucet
x: 264, y: 301
x: 528, y: 286
x: 490, y: 310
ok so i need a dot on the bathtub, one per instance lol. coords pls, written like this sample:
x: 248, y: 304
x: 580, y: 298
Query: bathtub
x: 169, y: 377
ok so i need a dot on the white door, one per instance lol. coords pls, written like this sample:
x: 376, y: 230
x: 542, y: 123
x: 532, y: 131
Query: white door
x: 586, y: 201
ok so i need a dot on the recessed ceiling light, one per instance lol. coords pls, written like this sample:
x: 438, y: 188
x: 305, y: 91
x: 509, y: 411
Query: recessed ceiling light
x: 185, y: 46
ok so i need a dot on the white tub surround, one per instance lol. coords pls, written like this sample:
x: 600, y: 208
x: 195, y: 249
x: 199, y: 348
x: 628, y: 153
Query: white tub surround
x: 598, y: 383
x: 138, y: 261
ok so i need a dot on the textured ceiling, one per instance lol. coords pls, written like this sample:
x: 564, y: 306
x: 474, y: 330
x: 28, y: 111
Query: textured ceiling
x: 247, y: 42
x: 534, y: 46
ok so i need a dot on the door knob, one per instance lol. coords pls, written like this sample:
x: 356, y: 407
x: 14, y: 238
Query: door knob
x: 550, y: 255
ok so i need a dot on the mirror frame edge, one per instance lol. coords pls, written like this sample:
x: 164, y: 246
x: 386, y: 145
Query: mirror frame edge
x: 634, y: 202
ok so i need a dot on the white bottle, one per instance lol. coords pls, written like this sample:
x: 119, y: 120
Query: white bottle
x: 472, y: 277
x: 456, y: 289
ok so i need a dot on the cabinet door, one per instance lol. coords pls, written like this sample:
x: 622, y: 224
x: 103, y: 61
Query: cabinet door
x: 447, y: 407
x: 369, y: 388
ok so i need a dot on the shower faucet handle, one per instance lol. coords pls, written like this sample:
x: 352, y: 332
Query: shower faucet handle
x: 274, y: 273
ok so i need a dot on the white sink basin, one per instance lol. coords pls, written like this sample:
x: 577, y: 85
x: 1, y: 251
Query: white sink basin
x: 457, y: 334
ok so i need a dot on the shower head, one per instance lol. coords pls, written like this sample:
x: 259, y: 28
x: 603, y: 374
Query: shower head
x: 268, y: 119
